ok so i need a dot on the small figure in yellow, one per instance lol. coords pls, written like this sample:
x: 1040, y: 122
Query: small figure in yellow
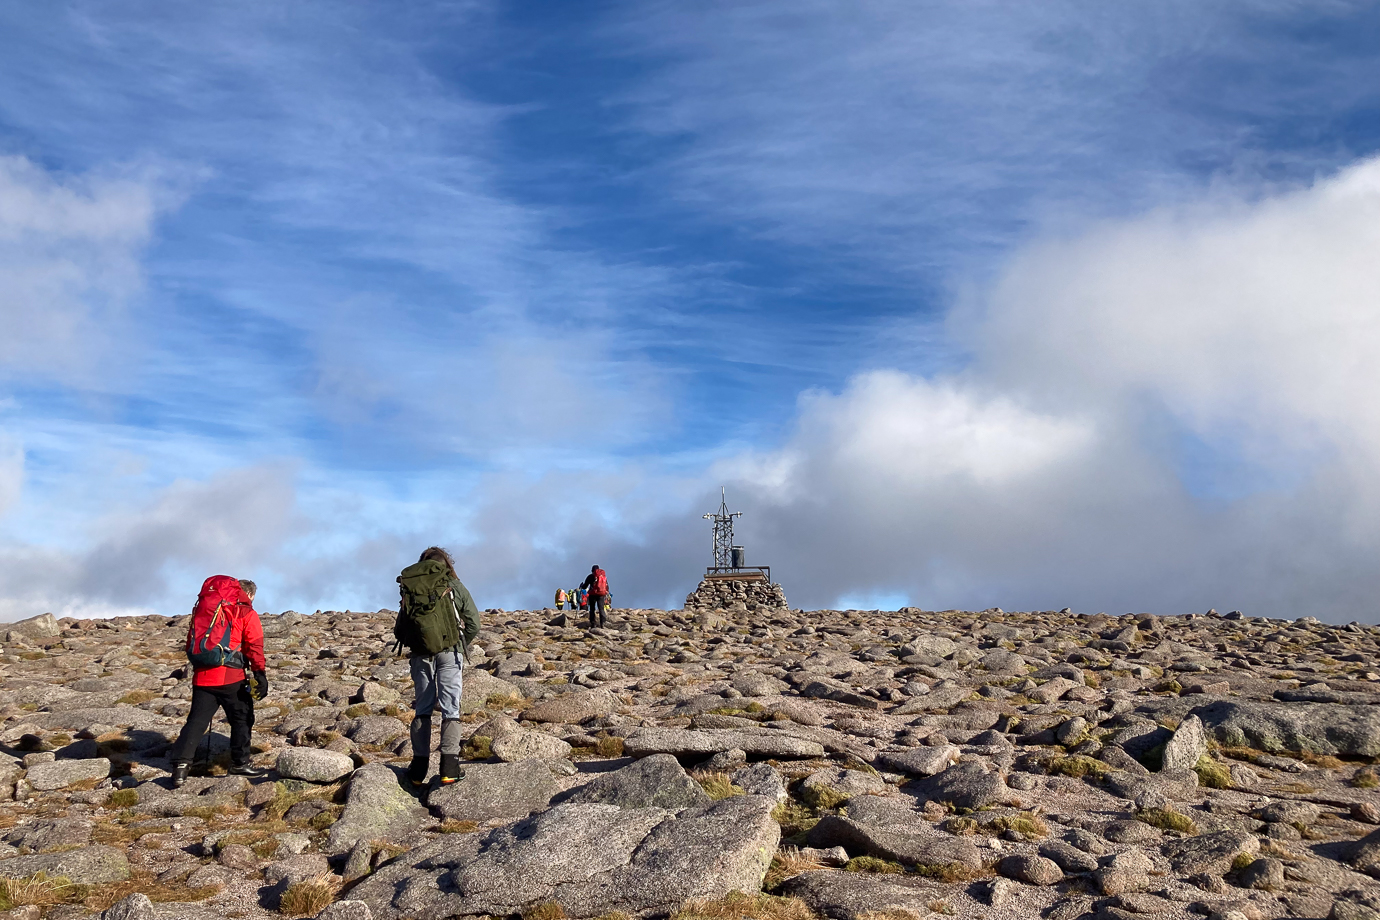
x: 560, y: 598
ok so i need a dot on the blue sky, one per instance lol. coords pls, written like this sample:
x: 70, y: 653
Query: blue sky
x: 294, y: 292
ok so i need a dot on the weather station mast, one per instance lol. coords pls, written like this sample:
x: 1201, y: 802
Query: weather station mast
x: 726, y: 555
x: 730, y: 581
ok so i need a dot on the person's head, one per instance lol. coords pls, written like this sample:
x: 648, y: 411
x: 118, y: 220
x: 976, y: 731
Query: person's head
x: 593, y: 569
x: 440, y: 555
x: 249, y: 588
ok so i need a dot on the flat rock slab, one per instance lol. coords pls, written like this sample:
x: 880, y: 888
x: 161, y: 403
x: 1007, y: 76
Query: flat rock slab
x: 1211, y: 853
x: 116, y: 716
x: 478, y: 686
x: 59, y: 774
x: 682, y: 742
x: 964, y: 785
x: 572, y: 708
x: 894, y: 844
x: 858, y: 895
x: 589, y: 859
x: 922, y: 761
x: 1317, y: 728
x: 653, y: 782
x: 501, y: 791
x: 377, y: 809
x: 93, y: 865
x: 524, y: 745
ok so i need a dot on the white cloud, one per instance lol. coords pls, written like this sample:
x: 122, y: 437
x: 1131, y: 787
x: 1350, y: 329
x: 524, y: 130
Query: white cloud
x: 11, y: 472
x: 147, y: 556
x: 69, y: 261
x: 1051, y: 471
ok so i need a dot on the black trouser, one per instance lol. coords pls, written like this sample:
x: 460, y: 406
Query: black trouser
x: 596, y: 605
x: 239, y: 712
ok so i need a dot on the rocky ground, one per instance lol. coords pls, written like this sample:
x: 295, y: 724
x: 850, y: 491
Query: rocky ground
x: 716, y: 764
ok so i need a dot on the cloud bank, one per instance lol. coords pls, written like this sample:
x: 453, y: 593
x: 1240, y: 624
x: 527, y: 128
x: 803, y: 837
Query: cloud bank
x: 1166, y: 413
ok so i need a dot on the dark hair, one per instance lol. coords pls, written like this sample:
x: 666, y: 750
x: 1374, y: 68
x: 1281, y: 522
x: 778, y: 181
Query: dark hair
x: 593, y: 569
x: 440, y: 555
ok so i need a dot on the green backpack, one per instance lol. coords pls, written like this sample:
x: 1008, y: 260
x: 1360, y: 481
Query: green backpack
x: 427, y: 619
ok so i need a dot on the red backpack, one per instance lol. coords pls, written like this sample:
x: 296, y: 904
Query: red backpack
x: 208, y: 639
x: 601, y: 582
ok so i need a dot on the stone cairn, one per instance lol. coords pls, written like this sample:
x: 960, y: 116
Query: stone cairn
x: 725, y: 593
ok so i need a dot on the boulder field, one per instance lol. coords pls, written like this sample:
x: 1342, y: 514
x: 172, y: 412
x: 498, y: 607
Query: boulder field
x: 748, y: 761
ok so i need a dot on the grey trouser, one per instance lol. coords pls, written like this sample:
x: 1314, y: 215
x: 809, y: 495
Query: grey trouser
x: 437, y: 679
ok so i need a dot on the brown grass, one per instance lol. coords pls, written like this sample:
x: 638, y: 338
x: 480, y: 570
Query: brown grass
x: 609, y: 746
x: 547, y: 910
x: 102, y: 897
x: 821, y: 797
x: 309, y: 897
x: 455, y: 826
x: 38, y: 889
x: 477, y: 747
x: 122, y: 798
x: 788, y: 863
x: 135, y: 697
x: 794, y: 818
x: 1212, y: 774
x: 872, y: 864
x: 1078, y: 766
x: 1167, y: 819
x: 739, y: 906
x: 718, y: 785
x: 285, y: 797
x: 1367, y: 777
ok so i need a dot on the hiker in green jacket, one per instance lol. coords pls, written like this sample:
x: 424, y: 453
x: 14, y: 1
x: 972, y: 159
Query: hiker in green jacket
x: 437, y: 621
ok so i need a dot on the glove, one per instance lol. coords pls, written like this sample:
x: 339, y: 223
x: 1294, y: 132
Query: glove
x: 260, y: 685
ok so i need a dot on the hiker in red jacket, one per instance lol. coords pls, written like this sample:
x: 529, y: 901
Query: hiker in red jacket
x: 224, y: 639
x: 597, y: 582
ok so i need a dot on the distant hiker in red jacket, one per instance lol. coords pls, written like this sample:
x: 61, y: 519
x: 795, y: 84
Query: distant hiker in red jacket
x: 597, y: 583
x: 224, y: 639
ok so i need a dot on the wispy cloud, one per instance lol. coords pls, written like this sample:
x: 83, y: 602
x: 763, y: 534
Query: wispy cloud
x: 917, y: 137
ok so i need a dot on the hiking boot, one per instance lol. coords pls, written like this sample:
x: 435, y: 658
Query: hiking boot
x: 450, y: 769
x: 417, y: 770
x: 246, y: 769
x: 179, y: 775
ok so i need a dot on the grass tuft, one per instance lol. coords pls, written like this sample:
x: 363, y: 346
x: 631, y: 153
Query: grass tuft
x: 1212, y: 774
x: 477, y: 747
x: 456, y: 826
x: 135, y: 697
x: 718, y: 785
x: 822, y: 797
x: 1167, y: 819
x: 794, y: 818
x: 609, y: 746
x: 123, y: 798
x: 1367, y: 777
x: 788, y: 863
x: 1078, y: 766
x: 39, y: 889
x: 547, y: 910
x: 874, y: 865
x: 309, y: 897
x: 739, y: 906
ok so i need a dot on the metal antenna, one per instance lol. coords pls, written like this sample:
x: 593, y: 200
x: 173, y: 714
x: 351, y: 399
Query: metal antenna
x: 723, y: 531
